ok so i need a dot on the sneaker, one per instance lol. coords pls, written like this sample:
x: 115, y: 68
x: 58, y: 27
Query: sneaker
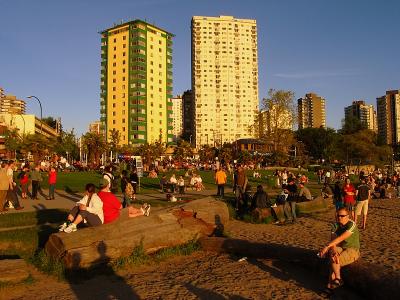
x: 71, y: 228
x: 62, y: 227
x: 147, y: 210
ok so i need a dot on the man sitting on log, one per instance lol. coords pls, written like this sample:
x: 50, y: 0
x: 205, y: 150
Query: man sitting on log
x: 304, y: 193
x: 89, y: 210
x: 344, y: 247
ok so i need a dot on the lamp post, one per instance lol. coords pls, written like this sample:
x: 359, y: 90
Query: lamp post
x: 41, y: 112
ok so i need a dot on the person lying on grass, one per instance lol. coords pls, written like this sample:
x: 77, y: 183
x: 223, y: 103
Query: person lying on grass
x: 344, y: 247
x: 89, y: 210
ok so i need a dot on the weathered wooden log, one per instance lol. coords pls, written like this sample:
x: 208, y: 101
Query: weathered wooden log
x: 372, y: 280
x: 163, y: 228
x: 315, y: 205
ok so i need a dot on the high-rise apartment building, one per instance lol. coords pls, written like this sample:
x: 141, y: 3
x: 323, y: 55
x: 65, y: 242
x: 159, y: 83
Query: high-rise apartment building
x: 9, y: 104
x: 224, y: 78
x: 136, y: 82
x: 365, y: 113
x: 311, y: 111
x: 188, y: 116
x: 177, y: 118
x: 388, y: 112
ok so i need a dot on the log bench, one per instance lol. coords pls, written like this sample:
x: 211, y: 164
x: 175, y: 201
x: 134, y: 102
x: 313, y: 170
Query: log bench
x: 165, y: 227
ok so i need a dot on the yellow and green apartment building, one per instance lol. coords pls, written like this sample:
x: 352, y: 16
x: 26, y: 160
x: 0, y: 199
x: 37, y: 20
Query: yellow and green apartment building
x: 136, y: 82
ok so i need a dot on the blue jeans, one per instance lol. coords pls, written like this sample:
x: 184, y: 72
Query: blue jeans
x: 293, y: 209
x: 52, y: 188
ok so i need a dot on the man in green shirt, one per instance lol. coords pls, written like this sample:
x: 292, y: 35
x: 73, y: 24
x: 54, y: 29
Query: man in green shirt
x: 344, y: 247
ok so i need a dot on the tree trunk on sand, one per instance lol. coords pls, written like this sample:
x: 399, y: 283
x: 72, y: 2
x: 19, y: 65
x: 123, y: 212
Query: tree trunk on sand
x: 165, y: 227
x: 371, y: 280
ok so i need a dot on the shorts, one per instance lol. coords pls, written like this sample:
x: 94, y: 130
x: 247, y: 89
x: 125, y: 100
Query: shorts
x: 362, y: 206
x: 347, y: 256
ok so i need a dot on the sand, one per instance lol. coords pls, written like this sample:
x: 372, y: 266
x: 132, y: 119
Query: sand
x: 205, y: 275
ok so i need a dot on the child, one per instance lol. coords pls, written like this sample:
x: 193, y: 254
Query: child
x: 181, y: 185
x: 23, y: 180
x: 52, y: 183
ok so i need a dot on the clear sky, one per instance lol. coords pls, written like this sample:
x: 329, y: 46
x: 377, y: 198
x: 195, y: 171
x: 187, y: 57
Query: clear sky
x: 341, y: 49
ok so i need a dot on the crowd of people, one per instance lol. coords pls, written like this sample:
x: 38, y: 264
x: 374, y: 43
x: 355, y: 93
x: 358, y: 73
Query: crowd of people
x: 351, y: 200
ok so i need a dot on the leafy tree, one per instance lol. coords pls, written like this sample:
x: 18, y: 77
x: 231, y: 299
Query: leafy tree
x: 351, y: 125
x: 274, y: 126
x: 67, y: 142
x: 115, y: 138
x: 207, y: 153
x: 319, y: 143
x: 95, y: 145
x: 183, y: 150
x: 38, y: 145
x: 12, y: 140
x: 361, y: 148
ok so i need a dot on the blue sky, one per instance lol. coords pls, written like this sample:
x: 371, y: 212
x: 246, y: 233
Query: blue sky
x: 342, y: 50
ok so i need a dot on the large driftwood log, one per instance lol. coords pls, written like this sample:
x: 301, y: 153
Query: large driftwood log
x: 371, y: 280
x: 163, y: 228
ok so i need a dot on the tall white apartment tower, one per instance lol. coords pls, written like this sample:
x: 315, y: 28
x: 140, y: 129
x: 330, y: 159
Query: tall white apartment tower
x: 224, y: 78
x: 177, y: 118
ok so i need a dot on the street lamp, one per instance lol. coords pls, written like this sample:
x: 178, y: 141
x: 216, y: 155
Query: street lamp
x: 41, y: 112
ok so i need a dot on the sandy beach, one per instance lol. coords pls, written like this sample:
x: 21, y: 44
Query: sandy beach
x: 205, y: 275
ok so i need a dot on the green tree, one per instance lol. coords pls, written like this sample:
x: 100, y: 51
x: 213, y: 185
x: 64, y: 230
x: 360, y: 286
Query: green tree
x: 352, y: 125
x: 12, y: 141
x: 38, y: 145
x: 115, y: 138
x: 95, y: 145
x: 206, y: 153
x: 183, y: 150
x: 320, y: 143
x: 67, y: 143
x: 275, y: 125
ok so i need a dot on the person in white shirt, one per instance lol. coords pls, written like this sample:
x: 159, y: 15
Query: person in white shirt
x: 89, y: 210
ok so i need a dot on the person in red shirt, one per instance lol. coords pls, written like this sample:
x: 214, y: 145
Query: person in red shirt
x: 52, y: 183
x: 24, y: 180
x: 111, y: 205
x: 349, y: 196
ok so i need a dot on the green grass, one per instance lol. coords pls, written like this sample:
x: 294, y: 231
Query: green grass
x: 139, y: 257
x: 47, y: 265
x: 39, y: 217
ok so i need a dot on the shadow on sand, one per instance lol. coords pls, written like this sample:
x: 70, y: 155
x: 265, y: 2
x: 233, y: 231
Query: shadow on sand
x: 88, y: 284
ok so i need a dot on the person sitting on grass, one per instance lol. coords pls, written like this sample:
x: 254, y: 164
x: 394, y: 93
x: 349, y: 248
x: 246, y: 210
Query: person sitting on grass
x: 89, y: 210
x: 344, y: 247
x: 199, y: 183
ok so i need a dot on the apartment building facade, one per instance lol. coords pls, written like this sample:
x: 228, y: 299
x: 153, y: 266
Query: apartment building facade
x: 388, y: 113
x: 9, y: 104
x: 224, y: 78
x: 311, y: 111
x: 136, y: 82
x: 177, y: 118
x: 365, y: 113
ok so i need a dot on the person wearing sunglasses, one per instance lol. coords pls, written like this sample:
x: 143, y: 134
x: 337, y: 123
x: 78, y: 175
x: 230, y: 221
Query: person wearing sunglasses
x: 344, y: 247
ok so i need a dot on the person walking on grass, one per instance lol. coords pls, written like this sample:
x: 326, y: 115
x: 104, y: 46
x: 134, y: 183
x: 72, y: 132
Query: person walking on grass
x: 220, y: 180
x: 52, y: 183
x: 88, y: 210
x: 36, y: 178
x: 363, y: 194
x: 343, y: 249
x: 4, y: 185
x: 23, y: 177
x: 12, y: 193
